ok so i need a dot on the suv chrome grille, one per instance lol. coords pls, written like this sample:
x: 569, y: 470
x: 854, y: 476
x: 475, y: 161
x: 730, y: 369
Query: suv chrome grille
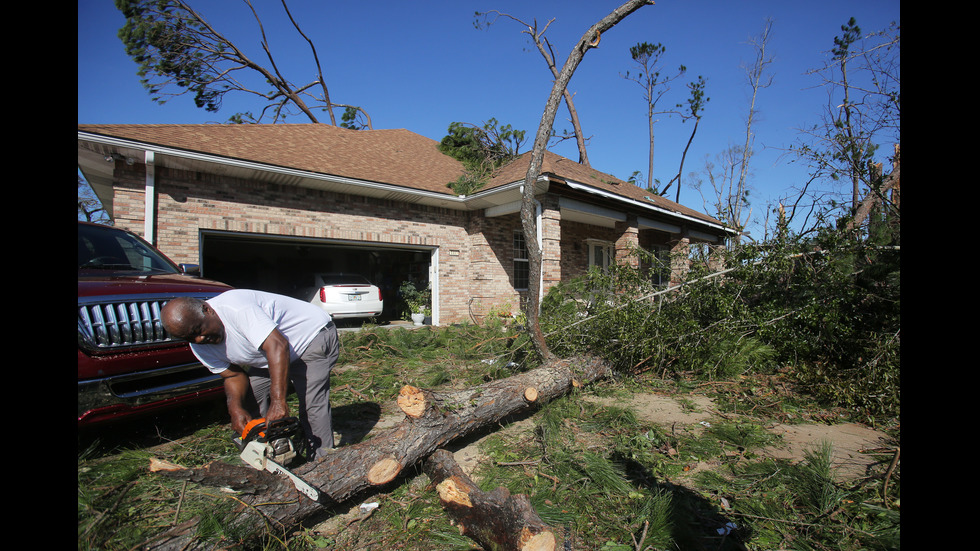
x: 112, y: 325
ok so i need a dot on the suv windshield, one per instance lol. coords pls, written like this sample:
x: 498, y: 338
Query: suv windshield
x: 111, y: 249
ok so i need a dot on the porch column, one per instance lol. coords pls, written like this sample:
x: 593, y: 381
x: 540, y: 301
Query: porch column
x: 680, y: 253
x: 716, y: 258
x: 627, y: 242
x: 550, y: 231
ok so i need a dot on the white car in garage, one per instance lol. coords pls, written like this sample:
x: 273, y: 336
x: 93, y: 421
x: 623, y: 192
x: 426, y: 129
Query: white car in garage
x: 347, y: 296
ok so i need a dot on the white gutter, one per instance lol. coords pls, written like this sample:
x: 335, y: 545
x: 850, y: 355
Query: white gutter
x: 506, y: 187
x: 634, y: 202
x: 436, y: 289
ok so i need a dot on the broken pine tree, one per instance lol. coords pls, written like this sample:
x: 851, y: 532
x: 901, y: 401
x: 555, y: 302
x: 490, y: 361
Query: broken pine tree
x: 433, y: 419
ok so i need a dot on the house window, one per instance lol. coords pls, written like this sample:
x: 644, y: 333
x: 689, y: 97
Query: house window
x: 601, y: 254
x: 657, y: 265
x: 522, y: 269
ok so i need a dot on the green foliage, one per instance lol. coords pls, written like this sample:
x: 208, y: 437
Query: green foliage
x: 481, y: 150
x: 118, y: 502
x: 804, y: 505
x: 645, y: 53
x: 863, y: 82
x: 813, y: 481
x: 418, y: 300
x: 696, y: 102
x: 601, y: 476
x: 826, y: 309
x: 842, y: 44
x: 351, y: 118
x: 178, y: 52
x: 472, y: 145
x: 429, y: 357
x: 742, y: 435
x: 172, y: 47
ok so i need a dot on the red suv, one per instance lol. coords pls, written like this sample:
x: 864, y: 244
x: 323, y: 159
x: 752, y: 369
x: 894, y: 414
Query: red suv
x: 127, y: 363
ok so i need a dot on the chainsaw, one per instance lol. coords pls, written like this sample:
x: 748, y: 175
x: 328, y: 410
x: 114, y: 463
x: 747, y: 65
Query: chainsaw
x: 271, y: 446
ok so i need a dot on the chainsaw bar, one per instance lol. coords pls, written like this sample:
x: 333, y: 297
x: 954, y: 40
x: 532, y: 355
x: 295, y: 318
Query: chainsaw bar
x: 256, y: 455
x: 263, y: 445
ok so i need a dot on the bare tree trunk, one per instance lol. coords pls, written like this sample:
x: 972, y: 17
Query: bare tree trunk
x: 680, y: 168
x: 433, y: 419
x: 549, y: 58
x: 875, y: 197
x: 528, y: 220
x: 583, y: 156
x: 755, y: 75
x: 651, y: 137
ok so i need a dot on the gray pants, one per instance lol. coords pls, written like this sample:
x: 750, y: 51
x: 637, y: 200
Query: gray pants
x: 310, y: 376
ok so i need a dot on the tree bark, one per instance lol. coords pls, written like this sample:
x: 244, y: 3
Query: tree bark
x: 589, y: 40
x: 432, y: 420
x: 496, y: 520
x: 549, y: 59
x: 875, y: 197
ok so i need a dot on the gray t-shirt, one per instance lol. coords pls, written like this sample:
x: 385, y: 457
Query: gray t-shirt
x: 249, y: 318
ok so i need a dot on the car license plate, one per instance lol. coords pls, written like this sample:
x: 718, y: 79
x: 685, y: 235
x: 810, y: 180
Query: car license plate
x: 353, y: 297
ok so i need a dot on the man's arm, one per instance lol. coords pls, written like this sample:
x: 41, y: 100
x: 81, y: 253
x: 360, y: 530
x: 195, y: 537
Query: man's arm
x: 276, y: 349
x: 236, y: 388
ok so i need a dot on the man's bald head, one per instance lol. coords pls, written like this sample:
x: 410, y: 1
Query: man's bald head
x: 184, y: 317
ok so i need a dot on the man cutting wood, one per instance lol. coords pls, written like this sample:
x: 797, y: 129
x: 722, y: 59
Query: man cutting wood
x: 259, y: 342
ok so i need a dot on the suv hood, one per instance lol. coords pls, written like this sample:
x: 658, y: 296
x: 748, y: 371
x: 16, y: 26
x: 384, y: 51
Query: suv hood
x: 95, y: 283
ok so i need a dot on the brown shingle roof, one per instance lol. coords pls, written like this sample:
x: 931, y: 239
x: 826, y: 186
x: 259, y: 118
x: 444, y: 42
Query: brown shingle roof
x: 563, y: 168
x: 397, y: 157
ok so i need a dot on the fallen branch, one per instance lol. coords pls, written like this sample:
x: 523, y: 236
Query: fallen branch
x: 496, y: 520
x: 432, y: 420
x: 352, y: 390
x: 888, y: 476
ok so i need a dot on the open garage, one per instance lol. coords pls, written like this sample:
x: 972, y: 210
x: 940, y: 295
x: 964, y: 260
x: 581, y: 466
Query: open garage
x: 288, y: 265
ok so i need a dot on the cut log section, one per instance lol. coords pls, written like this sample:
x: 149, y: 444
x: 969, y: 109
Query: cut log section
x: 496, y: 520
x: 416, y: 403
x: 432, y: 420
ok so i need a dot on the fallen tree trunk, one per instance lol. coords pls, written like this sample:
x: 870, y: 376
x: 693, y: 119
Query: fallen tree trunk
x: 432, y: 420
x: 496, y: 520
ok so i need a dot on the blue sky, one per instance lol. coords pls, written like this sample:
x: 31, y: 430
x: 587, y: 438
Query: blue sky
x: 421, y: 65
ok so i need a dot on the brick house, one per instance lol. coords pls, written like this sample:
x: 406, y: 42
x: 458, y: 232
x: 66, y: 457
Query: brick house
x: 268, y: 206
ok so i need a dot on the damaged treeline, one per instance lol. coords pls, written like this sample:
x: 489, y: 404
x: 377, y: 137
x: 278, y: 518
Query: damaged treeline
x: 825, y: 309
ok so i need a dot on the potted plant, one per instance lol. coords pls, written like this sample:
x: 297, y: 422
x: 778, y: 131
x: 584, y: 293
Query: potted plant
x: 417, y: 301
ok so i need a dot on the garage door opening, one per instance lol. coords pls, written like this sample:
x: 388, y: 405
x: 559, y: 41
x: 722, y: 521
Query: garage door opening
x: 288, y: 266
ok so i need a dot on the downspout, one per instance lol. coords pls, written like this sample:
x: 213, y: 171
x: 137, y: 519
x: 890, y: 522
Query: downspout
x: 537, y: 228
x: 149, y: 200
x: 436, y: 290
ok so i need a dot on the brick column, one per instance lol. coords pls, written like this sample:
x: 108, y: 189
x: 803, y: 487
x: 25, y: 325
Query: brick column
x: 716, y: 258
x: 627, y: 242
x: 550, y: 244
x: 679, y: 260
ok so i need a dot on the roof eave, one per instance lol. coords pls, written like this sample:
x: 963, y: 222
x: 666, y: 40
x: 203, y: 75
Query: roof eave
x: 101, y: 145
x: 654, y: 209
x: 98, y: 147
